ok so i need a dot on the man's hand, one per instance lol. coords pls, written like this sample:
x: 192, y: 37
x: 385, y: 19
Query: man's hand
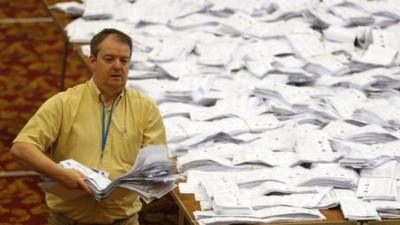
x: 73, y: 179
x: 35, y: 159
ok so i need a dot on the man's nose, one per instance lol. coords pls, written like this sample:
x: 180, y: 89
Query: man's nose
x: 117, y: 64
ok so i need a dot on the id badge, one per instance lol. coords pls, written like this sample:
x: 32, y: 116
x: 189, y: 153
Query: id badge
x: 104, y: 173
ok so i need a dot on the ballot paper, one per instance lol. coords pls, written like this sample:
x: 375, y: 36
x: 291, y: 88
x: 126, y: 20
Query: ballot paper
x: 377, y: 188
x: 194, y: 20
x: 72, y: 9
x: 331, y: 175
x: 354, y: 208
x: 151, y: 176
x: 275, y: 187
x: 320, y: 17
x: 352, y: 14
x: 231, y: 203
x: 98, y: 9
x: 279, y: 139
x: 202, y: 160
x: 267, y: 215
x: 306, y: 45
x: 257, y: 155
x: 363, y: 159
x: 387, y: 209
x: 313, y: 146
x: 217, y: 53
x: 378, y: 183
x: 305, y: 200
x: 252, y: 178
x: 340, y: 34
x: 328, y: 201
x: 377, y: 55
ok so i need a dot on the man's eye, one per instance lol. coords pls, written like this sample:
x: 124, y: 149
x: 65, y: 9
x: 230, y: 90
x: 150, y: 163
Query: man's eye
x: 108, y: 59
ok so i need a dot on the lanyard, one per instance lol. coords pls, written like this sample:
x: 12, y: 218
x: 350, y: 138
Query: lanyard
x: 104, y: 128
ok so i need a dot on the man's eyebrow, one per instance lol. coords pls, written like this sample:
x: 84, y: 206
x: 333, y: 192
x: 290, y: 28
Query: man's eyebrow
x: 113, y: 55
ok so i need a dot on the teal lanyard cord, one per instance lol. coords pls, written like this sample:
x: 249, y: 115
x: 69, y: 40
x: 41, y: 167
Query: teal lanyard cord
x: 104, y: 130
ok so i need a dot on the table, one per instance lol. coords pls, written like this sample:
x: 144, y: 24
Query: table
x: 383, y: 222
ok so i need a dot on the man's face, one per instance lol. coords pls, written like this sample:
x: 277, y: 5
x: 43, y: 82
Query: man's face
x: 111, y: 65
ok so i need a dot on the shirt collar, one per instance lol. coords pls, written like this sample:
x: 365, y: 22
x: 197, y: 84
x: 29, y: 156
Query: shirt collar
x: 96, y: 93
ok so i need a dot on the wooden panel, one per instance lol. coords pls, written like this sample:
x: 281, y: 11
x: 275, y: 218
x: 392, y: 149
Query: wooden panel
x: 384, y: 222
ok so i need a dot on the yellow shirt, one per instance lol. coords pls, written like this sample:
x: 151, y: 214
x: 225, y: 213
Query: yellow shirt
x: 69, y: 126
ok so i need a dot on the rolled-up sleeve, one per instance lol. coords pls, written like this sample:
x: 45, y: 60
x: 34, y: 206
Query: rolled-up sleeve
x: 44, y: 126
x: 154, y: 130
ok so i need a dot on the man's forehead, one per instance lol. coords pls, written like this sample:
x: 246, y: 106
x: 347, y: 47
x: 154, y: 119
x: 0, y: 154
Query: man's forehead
x: 112, y: 45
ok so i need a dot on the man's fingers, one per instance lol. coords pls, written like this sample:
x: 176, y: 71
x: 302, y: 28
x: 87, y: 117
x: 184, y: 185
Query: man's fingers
x: 74, y: 179
x: 85, y: 187
x: 81, y: 174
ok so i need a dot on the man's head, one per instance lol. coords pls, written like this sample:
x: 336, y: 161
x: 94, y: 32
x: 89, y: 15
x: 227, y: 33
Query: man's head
x: 110, y: 51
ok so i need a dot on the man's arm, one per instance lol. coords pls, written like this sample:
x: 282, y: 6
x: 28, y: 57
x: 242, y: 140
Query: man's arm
x: 35, y: 159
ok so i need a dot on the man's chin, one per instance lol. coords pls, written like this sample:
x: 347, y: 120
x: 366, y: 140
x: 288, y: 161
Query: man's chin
x: 119, y: 84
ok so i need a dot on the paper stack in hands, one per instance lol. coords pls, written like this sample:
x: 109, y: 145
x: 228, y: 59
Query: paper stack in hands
x: 151, y: 176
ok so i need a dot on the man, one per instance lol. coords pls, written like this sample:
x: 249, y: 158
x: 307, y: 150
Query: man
x: 100, y: 124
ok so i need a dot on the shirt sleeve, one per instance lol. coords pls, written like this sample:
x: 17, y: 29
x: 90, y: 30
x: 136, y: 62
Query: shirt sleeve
x: 43, y: 128
x: 154, y: 131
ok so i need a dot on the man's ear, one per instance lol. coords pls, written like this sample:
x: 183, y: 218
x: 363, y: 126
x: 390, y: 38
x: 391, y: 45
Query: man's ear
x: 92, y: 62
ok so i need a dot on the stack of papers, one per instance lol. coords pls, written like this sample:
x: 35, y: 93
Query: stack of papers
x: 377, y: 188
x: 152, y: 175
x: 267, y: 215
x: 331, y: 175
x: 354, y: 208
x: 299, y: 93
x: 357, y: 159
x: 275, y: 187
x: 231, y: 203
x: 306, y: 200
x: 387, y: 209
x: 389, y: 171
x: 204, y: 161
x: 378, y: 183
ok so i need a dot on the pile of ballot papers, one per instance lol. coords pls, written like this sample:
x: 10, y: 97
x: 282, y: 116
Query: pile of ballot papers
x: 273, y: 109
x: 151, y: 176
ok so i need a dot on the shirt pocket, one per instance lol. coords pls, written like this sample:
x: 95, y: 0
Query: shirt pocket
x: 127, y: 144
